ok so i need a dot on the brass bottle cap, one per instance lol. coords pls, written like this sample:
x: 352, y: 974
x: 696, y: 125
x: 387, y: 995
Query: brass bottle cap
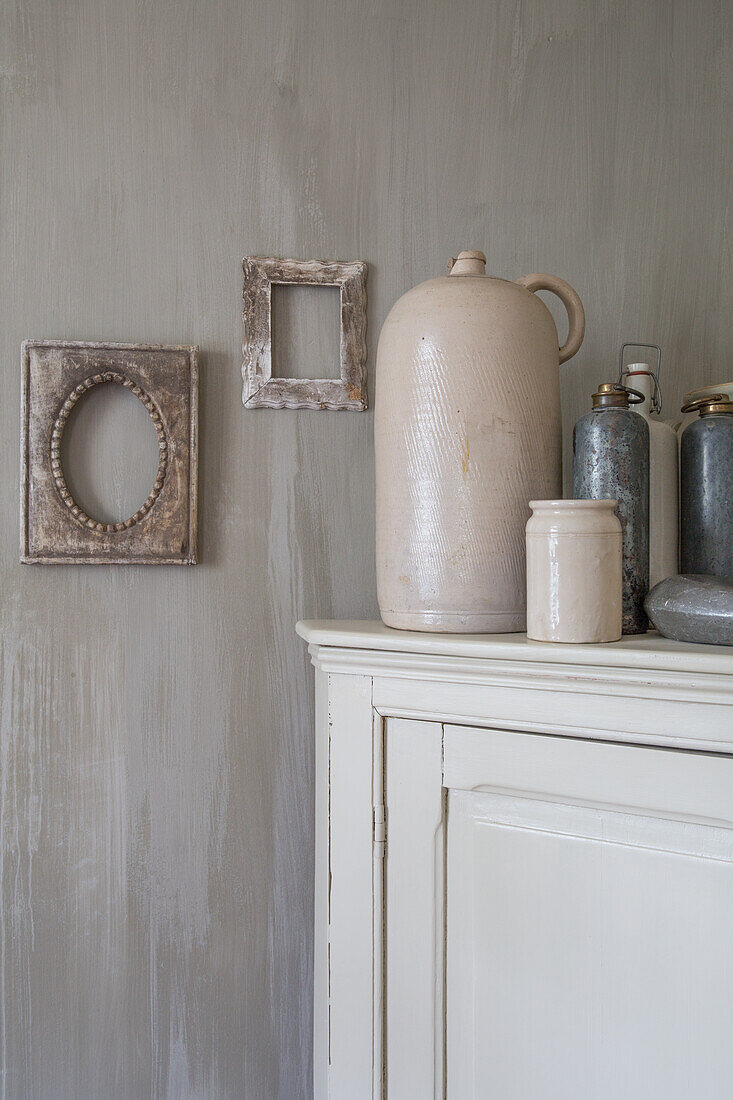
x: 712, y: 403
x: 612, y: 395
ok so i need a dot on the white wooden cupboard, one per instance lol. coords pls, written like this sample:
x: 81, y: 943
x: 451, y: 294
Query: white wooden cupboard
x: 524, y: 868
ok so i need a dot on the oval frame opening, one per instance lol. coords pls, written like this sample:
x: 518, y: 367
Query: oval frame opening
x: 62, y: 488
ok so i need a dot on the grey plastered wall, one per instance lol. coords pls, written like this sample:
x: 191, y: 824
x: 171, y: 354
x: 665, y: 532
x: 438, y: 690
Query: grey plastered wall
x: 155, y: 749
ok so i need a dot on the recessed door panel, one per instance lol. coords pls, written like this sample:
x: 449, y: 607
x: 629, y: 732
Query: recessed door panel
x: 558, y: 918
x: 583, y: 964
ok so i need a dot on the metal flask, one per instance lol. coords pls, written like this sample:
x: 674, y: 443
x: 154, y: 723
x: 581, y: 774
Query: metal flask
x: 611, y: 461
x: 706, y: 488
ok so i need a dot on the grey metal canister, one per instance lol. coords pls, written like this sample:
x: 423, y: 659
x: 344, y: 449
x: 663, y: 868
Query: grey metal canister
x: 706, y: 488
x: 611, y: 461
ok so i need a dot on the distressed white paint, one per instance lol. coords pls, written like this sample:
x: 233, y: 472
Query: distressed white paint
x: 155, y: 725
x: 414, y: 931
x: 540, y: 882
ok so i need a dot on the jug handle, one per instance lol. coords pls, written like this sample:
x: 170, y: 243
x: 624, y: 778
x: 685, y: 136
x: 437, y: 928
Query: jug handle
x: 572, y: 303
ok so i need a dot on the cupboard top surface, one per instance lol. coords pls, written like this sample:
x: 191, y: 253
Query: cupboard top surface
x: 644, y: 651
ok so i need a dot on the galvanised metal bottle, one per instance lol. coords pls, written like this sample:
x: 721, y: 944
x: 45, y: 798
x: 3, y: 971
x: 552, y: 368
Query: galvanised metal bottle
x: 611, y: 461
x: 706, y: 488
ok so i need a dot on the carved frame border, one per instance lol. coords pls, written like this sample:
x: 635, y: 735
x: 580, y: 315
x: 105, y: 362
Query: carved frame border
x: 261, y: 390
x: 54, y: 528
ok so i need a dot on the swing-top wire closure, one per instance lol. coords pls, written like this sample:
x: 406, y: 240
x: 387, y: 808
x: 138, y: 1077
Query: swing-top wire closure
x: 656, y: 399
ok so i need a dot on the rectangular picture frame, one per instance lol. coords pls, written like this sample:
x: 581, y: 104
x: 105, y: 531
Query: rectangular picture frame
x: 55, y: 530
x: 260, y: 389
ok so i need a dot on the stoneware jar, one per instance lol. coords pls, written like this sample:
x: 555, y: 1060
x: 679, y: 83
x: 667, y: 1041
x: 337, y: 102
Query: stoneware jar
x: 467, y: 430
x: 574, y: 571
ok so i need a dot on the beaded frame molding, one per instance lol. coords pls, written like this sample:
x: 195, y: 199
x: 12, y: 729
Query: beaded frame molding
x: 261, y: 390
x: 54, y: 527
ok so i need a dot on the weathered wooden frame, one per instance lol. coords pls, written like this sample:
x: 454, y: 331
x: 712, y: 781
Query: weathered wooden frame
x: 261, y: 390
x: 54, y: 528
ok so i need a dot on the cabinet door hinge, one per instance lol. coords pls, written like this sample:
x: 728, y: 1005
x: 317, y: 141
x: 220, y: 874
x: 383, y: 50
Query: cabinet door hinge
x: 380, y: 831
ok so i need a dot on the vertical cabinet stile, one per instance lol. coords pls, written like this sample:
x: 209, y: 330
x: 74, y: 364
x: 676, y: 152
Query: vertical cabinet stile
x: 378, y: 915
x: 414, y: 909
x: 343, y: 1066
x: 321, y: 916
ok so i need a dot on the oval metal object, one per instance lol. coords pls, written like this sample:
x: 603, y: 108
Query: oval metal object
x: 693, y: 608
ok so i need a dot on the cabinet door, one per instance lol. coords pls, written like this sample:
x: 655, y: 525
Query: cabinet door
x: 559, y: 918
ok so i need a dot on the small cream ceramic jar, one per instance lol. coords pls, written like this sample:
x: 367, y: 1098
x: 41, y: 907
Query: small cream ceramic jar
x: 573, y: 571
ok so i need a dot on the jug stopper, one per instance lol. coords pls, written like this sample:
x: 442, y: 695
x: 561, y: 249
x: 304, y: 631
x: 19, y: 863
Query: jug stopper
x: 471, y: 262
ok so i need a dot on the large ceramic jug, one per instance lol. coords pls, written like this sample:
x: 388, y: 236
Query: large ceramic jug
x: 467, y: 432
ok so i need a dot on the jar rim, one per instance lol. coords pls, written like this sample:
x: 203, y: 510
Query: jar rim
x: 567, y: 505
